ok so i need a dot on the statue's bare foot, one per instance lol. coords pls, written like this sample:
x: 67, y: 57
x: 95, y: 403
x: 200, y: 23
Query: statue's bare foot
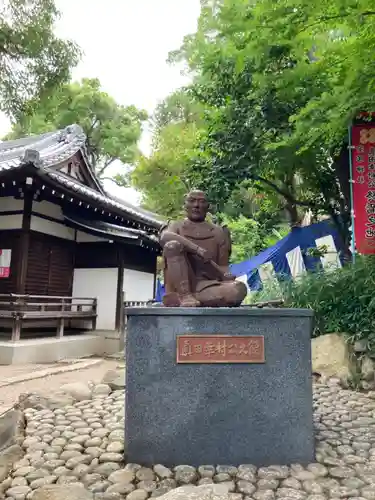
x: 171, y: 300
x: 189, y: 301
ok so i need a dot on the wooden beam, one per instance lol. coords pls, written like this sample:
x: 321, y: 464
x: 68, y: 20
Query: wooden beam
x: 24, y: 242
x: 120, y: 295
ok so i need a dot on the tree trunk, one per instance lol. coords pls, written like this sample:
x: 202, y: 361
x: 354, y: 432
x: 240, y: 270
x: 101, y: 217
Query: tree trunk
x: 294, y: 218
x: 341, y: 166
x: 342, y: 170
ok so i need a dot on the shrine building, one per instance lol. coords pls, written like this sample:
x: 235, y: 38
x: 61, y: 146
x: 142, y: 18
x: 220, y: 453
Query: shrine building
x: 70, y: 254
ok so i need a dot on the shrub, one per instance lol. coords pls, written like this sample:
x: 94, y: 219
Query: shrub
x: 343, y: 300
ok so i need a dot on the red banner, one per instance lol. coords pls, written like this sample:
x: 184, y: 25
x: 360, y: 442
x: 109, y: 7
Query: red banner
x: 363, y: 177
x: 5, y: 257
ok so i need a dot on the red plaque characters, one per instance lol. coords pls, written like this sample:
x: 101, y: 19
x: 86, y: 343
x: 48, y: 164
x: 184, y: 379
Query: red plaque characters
x: 363, y: 177
x: 220, y: 349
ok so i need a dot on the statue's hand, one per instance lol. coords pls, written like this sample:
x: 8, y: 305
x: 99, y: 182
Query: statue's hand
x: 203, y: 254
x: 229, y: 277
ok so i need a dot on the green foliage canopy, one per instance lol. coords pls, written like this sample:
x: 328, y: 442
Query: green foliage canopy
x: 33, y: 60
x: 112, y: 130
x: 165, y: 176
x: 281, y: 82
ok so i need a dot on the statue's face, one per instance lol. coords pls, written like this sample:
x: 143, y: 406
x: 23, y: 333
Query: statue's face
x: 196, y: 206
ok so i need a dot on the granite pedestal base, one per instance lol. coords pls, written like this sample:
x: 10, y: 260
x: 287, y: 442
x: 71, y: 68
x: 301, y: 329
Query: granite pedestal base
x: 218, y: 413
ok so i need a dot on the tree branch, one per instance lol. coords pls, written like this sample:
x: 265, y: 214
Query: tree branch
x: 118, y: 183
x: 105, y: 166
x: 337, y: 16
x: 283, y: 193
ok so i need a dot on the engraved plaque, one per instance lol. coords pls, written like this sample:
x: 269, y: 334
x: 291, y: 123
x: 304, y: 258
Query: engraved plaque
x: 220, y: 349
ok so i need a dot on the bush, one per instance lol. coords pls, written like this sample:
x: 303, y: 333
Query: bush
x: 343, y: 300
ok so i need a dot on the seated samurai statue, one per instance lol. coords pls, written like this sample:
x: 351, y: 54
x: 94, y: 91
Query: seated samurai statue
x: 196, y: 260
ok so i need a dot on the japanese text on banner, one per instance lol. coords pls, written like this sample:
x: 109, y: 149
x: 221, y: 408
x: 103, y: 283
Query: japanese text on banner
x: 363, y: 177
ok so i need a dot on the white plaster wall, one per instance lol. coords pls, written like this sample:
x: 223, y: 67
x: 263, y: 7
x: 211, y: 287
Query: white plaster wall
x: 83, y: 237
x: 102, y: 284
x: 53, y: 228
x: 138, y: 285
x: 47, y: 208
x: 10, y: 221
x: 10, y: 203
x: 49, y: 227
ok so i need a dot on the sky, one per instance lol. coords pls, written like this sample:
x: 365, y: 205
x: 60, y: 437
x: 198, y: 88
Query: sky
x: 125, y: 45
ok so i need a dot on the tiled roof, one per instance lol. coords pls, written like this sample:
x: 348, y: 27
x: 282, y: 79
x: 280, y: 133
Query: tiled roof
x: 51, y: 149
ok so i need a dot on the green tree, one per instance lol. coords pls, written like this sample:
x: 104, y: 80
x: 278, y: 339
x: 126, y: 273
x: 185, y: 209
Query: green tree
x: 112, y: 130
x: 249, y: 237
x: 258, y: 76
x: 33, y: 60
x: 164, y: 177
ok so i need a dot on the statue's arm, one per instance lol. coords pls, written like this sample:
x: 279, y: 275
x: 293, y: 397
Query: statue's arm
x: 225, y: 250
x: 170, y: 233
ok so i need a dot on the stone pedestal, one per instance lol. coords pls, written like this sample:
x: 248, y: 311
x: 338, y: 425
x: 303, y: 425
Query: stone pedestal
x: 230, y: 413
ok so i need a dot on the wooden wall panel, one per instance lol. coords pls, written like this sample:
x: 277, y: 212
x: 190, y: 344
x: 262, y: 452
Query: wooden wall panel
x: 99, y: 255
x: 50, y: 265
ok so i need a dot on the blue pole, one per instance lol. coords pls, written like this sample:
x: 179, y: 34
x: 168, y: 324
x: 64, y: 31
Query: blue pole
x: 351, y: 192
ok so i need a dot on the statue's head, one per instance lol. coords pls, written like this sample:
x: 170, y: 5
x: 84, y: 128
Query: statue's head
x: 196, y: 206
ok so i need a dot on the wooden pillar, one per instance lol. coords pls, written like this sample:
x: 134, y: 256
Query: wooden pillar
x: 120, y: 295
x: 24, y: 243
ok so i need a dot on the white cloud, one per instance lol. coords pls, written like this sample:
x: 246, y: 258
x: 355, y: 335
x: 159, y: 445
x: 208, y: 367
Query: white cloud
x: 125, y: 45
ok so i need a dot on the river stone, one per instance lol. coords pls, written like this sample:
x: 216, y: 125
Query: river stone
x: 78, y: 390
x: 274, y: 472
x: 43, y: 481
x: 108, y: 496
x: 101, y: 389
x: 246, y: 487
x: 115, y: 447
x: 264, y: 495
x: 111, y: 457
x: 121, y: 476
x: 122, y: 488
x: 226, y: 469
x: 19, y: 481
x: 162, y: 471
x: 107, y: 468
x: 18, y: 491
x: 115, y: 379
x: 267, y: 484
x: 62, y: 492
x: 206, y: 471
x: 191, y: 492
x: 185, y: 474
x: 342, y: 472
x: 290, y: 494
x: 137, y: 495
x: 221, y: 477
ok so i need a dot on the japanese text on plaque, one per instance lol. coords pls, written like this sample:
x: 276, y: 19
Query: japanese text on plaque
x: 220, y: 349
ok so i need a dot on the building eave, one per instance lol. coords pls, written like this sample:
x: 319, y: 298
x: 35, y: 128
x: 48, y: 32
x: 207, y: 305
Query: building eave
x: 53, y: 148
x: 114, y: 232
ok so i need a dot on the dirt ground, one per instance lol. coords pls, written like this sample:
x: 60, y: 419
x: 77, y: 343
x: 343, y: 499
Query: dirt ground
x: 9, y: 394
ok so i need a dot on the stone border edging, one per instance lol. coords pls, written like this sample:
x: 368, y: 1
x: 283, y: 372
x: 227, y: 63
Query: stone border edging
x: 50, y: 371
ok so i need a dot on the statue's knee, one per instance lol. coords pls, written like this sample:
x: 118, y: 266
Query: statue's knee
x: 241, y: 290
x: 236, y: 293
x: 172, y: 248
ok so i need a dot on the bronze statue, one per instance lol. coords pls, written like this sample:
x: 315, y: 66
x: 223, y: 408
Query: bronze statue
x: 196, y: 257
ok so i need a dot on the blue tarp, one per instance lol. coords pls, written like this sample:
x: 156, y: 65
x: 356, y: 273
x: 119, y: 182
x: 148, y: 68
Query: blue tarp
x: 302, y: 237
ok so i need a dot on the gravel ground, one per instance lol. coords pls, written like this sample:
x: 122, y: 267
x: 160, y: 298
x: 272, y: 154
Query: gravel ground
x: 9, y: 394
x: 83, y: 443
